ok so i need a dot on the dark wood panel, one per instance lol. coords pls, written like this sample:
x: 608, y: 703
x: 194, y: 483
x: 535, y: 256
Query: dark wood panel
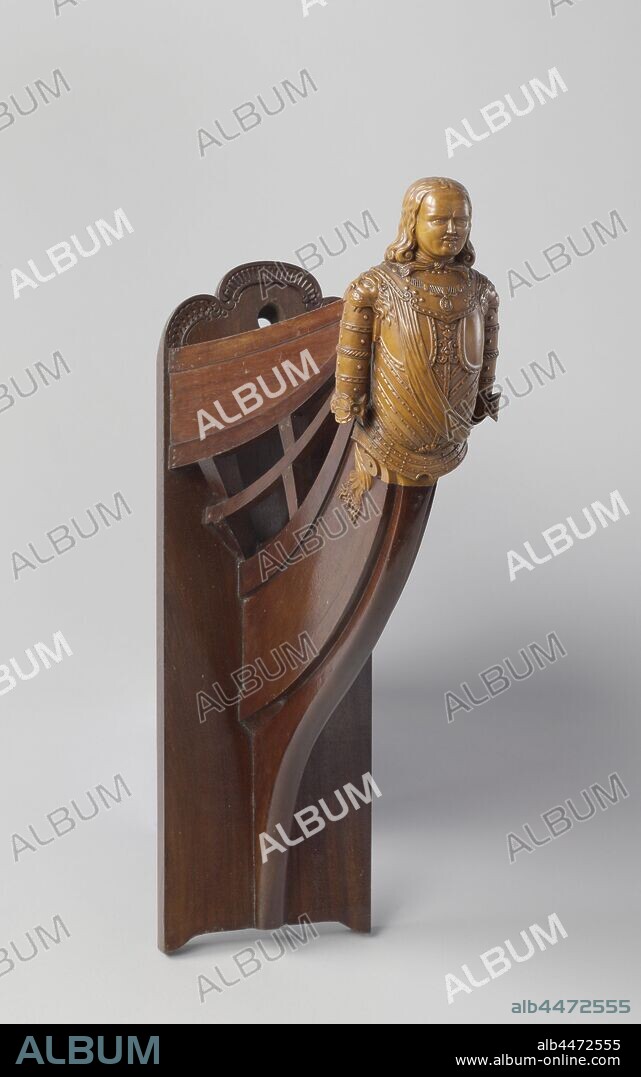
x: 328, y: 875
x: 257, y: 757
x: 196, y: 386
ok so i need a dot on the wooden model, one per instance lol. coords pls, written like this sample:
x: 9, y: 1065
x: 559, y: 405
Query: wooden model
x: 294, y: 492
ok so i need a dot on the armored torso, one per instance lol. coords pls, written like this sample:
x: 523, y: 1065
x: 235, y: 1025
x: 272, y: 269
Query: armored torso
x: 417, y: 339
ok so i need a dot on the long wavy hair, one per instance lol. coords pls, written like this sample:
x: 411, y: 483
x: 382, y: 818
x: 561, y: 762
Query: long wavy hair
x: 403, y: 249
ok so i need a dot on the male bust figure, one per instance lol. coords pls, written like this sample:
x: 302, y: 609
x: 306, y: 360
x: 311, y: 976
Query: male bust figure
x: 417, y: 347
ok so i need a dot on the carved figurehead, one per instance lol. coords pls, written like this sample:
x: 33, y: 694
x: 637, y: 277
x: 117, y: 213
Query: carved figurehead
x: 417, y: 347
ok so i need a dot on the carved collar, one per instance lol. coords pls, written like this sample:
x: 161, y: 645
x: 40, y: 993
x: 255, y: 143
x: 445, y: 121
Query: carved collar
x: 430, y: 267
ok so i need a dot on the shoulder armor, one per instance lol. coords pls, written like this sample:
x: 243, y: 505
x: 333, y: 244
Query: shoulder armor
x: 363, y: 291
x: 487, y: 293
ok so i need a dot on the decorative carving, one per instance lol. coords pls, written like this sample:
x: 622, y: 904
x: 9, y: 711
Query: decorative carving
x: 417, y: 347
x: 266, y: 278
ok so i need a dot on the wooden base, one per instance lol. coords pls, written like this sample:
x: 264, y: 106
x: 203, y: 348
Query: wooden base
x: 240, y: 754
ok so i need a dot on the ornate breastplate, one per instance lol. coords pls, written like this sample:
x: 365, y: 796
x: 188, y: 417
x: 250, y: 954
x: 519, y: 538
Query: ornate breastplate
x: 449, y: 322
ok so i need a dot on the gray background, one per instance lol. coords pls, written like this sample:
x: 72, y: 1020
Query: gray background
x: 390, y: 78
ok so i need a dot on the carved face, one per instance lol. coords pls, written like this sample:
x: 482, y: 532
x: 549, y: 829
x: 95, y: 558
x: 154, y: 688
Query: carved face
x: 443, y: 224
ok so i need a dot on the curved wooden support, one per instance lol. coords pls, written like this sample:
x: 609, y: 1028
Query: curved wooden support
x: 283, y: 737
